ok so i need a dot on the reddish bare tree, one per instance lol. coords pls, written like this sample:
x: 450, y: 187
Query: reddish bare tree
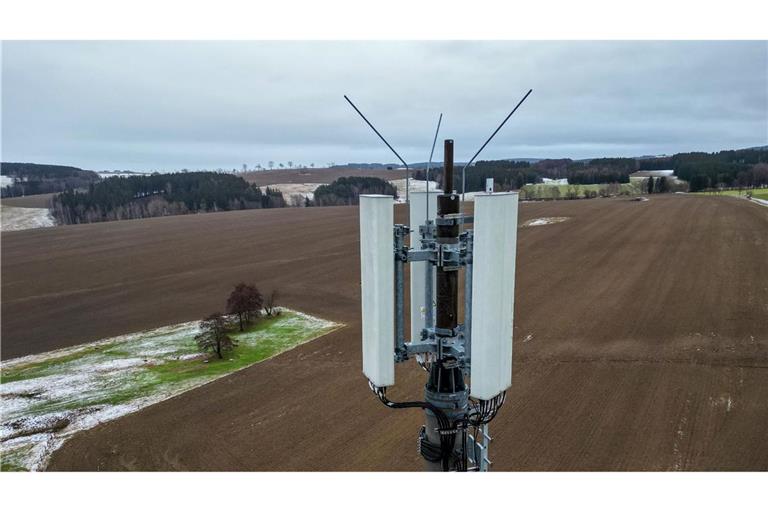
x: 245, y: 301
x: 213, y: 335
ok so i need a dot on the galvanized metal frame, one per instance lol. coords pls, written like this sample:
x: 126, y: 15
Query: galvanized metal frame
x: 449, y: 256
x: 454, y: 343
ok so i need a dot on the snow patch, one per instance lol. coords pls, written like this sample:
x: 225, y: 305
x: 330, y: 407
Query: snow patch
x: 415, y: 186
x: 16, y: 218
x: 288, y: 190
x: 544, y: 221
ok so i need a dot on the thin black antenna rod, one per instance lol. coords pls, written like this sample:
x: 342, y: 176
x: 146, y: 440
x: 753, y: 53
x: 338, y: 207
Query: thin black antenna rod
x: 407, y: 169
x: 463, y: 182
x: 431, y: 154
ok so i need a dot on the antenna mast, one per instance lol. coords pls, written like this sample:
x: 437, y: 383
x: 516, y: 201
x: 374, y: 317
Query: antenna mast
x: 407, y: 169
x: 454, y: 436
x: 463, y: 181
x: 429, y: 164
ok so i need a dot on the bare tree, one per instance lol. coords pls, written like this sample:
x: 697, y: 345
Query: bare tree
x: 271, y: 164
x: 270, y: 303
x: 213, y: 335
x: 245, y: 301
x: 290, y: 164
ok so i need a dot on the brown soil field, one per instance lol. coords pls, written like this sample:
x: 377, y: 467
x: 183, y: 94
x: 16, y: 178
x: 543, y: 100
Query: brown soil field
x: 641, y: 338
x: 275, y: 176
x: 35, y: 201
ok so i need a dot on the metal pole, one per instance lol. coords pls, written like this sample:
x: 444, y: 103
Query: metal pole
x: 400, y: 232
x: 445, y: 388
x: 468, y: 298
x: 407, y: 186
x: 447, y: 280
x: 431, y: 154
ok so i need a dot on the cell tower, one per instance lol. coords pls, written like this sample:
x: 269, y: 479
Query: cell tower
x: 455, y: 434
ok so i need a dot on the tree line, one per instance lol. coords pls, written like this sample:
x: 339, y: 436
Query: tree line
x: 743, y: 168
x: 31, y: 179
x: 514, y: 175
x: 136, y: 197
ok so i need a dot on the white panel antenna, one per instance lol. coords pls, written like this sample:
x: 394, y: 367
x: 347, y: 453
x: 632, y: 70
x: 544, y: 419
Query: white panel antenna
x: 377, y: 276
x: 419, y: 303
x: 493, y: 293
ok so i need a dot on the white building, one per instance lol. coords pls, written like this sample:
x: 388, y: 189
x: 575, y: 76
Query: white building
x: 562, y: 181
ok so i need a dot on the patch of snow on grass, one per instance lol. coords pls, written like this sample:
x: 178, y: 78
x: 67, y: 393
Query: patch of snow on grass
x: 16, y: 218
x: 544, y: 221
x: 48, y: 397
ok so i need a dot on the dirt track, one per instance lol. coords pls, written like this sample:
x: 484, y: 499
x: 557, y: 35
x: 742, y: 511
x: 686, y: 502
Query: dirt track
x: 641, y: 338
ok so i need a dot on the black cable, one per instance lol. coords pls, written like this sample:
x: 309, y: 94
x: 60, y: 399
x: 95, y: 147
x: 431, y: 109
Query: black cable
x: 444, y: 426
x: 483, y: 412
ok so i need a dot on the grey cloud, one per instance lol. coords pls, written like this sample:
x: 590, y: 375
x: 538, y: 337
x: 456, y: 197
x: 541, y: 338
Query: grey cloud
x: 148, y: 105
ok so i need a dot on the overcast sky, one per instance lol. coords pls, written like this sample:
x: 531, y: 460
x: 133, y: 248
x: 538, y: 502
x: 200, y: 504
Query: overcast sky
x: 173, y: 105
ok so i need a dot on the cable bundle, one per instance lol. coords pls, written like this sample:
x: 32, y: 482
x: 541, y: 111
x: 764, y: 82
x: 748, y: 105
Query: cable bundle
x: 445, y: 429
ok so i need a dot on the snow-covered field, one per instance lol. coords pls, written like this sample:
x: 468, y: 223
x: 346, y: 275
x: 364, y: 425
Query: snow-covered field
x: 15, y: 218
x: 415, y: 186
x: 292, y: 189
x: 46, y: 398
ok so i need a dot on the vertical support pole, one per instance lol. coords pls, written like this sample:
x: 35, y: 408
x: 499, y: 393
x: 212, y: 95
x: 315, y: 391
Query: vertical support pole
x: 469, y: 240
x: 445, y: 388
x: 429, y: 297
x: 399, y: 242
x: 407, y: 186
x: 447, y: 280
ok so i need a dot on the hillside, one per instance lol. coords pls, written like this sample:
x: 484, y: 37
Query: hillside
x: 156, y: 195
x: 31, y: 179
